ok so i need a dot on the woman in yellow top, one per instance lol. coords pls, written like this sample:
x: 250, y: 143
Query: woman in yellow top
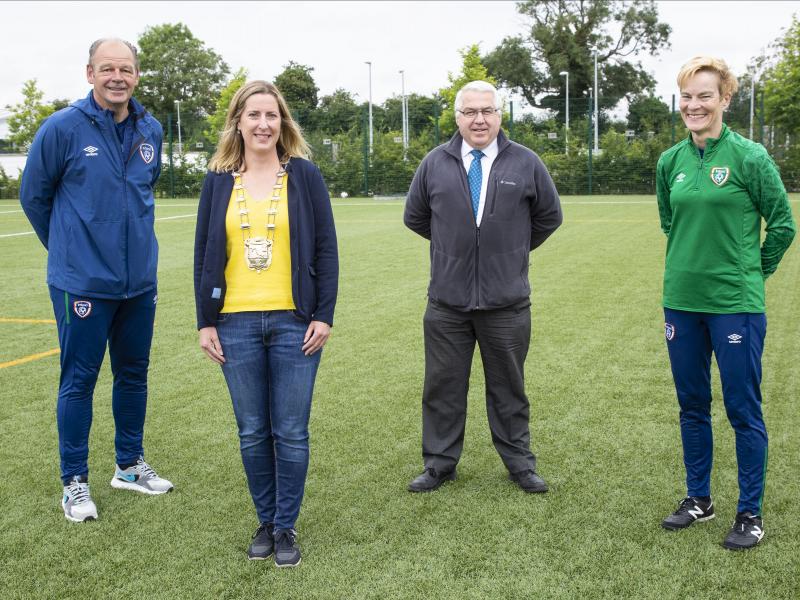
x: 266, y: 272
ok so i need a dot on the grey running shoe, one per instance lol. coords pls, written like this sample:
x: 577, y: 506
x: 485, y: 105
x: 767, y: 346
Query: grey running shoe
x: 140, y: 478
x: 77, y: 502
x: 747, y: 531
x: 262, y: 544
x: 691, y: 509
x: 287, y: 553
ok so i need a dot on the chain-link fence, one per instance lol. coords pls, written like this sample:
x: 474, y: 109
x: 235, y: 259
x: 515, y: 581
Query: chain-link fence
x: 619, y: 159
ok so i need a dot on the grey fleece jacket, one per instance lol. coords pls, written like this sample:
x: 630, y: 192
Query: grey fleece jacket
x: 486, y: 267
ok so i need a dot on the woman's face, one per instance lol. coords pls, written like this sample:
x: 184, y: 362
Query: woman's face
x: 702, y: 106
x: 260, y: 124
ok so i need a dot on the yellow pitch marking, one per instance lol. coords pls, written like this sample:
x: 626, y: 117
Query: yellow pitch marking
x: 44, y: 321
x: 24, y: 359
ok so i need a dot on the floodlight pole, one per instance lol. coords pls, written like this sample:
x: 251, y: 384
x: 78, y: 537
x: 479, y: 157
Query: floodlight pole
x: 596, y: 113
x: 180, y: 142
x: 369, y: 63
x: 404, y: 112
x: 752, y: 100
x: 566, y: 130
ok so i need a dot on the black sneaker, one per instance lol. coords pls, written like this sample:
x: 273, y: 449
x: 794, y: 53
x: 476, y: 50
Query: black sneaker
x: 287, y: 553
x: 691, y: 509
x: 262, y: 544
x: 746, y: 532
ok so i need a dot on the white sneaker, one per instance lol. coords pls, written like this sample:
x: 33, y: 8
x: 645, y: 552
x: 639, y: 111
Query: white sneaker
x: 77, y: 502
x: 140, y: 478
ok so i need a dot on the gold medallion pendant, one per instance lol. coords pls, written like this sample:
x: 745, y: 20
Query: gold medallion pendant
x: 258, y: 250
x: 258, y: 253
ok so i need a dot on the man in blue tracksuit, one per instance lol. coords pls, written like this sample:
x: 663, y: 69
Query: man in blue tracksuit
x: 87, y: 190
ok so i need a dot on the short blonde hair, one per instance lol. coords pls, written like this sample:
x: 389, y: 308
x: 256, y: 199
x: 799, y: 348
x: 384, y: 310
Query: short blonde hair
x: 230, y: 151
x: 727, y: 80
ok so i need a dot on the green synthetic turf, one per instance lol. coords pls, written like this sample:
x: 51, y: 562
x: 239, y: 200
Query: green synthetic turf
x: 604, y: 426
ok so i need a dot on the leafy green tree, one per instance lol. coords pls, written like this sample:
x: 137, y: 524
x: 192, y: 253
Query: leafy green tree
x: 27, y: 116
x: 215, y: 122
x: 421, y: 113
x: 338, y: 112
x: 562, y: 37
x: 298, y: 87
x: 648, y: 113
x: 175, y: 65
x: 472, y: 69
x: 782, y: 81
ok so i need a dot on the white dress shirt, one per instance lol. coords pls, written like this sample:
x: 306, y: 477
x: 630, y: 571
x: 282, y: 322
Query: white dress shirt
x: 489, y: 154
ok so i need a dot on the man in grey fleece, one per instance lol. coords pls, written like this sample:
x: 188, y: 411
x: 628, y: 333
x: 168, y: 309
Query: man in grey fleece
x: 484, y: 203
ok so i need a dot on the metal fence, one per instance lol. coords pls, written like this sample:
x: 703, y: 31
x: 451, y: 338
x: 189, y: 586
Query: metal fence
x: 623, y: 162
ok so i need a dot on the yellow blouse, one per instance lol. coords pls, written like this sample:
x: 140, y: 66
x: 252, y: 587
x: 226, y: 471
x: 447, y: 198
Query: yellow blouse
x: 269, y: 289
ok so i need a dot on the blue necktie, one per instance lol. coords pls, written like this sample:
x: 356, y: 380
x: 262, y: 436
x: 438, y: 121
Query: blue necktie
x: 475, y: 178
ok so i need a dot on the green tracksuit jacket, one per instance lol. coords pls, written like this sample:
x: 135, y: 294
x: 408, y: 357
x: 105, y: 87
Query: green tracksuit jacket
x: 711, y: 209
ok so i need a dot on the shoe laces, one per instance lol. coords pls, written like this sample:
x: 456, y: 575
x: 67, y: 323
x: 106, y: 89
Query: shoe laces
x: 285, y: 538
x: 78, y: 492
x: 261, y: 528
x: 146, y: 469
x: 686, y: 504
x: 742, y: 520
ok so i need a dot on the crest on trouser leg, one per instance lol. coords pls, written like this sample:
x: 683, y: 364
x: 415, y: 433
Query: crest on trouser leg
x: 82, y: 308
x: 669, y: 331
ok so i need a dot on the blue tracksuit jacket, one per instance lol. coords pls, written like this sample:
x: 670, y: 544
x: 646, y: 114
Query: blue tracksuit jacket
x: 92, y: 207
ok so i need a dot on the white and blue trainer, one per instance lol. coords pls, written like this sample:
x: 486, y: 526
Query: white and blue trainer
x: 77, y: 502
x: 140, y: 478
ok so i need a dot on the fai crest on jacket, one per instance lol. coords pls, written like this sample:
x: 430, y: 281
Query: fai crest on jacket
x: 82, y: 308
x: 147, y: 153
x: 719, y: 175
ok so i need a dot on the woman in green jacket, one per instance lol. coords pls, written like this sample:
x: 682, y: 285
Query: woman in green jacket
x: 713, y: 190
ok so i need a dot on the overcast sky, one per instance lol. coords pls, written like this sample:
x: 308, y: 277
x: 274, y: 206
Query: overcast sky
x: 49, y: 40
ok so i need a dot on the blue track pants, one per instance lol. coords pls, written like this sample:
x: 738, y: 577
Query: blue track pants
x: 85, y: 326
x: 737, y: 341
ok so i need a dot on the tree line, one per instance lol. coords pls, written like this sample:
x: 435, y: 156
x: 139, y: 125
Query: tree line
x: 561, y: 36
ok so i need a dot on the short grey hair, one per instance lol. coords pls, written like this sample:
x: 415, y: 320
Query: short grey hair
x: 478, y: 86
x: 97, y: 43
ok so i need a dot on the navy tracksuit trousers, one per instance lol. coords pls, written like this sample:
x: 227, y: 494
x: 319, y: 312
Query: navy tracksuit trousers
x: 85, y: 326
x: 737, y: 341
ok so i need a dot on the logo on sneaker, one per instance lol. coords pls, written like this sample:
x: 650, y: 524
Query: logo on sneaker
x: 128, y: 476
x: 696, y: 512
x: 734, y: 338
x: 757, y: 532
x: 669, y: 331
x: 90, y: 151
x: 82, y: 308
x: 680, y: 177
x: 147, y: 152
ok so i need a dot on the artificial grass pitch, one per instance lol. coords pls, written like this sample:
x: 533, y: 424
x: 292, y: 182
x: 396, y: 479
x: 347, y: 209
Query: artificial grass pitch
x: 604, y: 425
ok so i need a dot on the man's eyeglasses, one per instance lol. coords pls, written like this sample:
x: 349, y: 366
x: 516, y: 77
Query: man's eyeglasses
x: 471, y: 113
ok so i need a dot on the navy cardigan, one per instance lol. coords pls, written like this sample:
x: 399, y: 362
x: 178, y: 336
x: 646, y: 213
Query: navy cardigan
x: 312, y: 239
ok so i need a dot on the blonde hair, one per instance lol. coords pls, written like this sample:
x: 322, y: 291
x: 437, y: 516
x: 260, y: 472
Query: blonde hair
x: 727, y: 80
x: 230, y: 151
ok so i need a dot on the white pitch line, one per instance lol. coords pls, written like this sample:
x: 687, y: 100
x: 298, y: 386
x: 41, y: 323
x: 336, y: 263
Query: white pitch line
x: 8, y: 212
x: 5, y: 235
x: 175, y: 217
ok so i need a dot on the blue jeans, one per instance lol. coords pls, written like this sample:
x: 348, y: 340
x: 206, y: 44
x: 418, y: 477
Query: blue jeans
x: 737, y: 341
x: 85, y: 327
x: 271, y: 383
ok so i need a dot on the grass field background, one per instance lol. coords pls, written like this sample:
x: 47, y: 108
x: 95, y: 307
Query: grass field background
x: 604, y: 426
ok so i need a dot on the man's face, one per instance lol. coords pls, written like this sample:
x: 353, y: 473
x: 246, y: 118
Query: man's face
x: 481, y: 130
x: 113, y: 74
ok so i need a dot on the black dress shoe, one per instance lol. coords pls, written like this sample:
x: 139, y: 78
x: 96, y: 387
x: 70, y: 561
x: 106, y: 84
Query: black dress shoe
x: 430, y: 480
x: 529, y: 481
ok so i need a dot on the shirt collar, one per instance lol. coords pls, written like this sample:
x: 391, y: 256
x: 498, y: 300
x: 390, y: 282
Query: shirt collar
x: 490, y: 151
